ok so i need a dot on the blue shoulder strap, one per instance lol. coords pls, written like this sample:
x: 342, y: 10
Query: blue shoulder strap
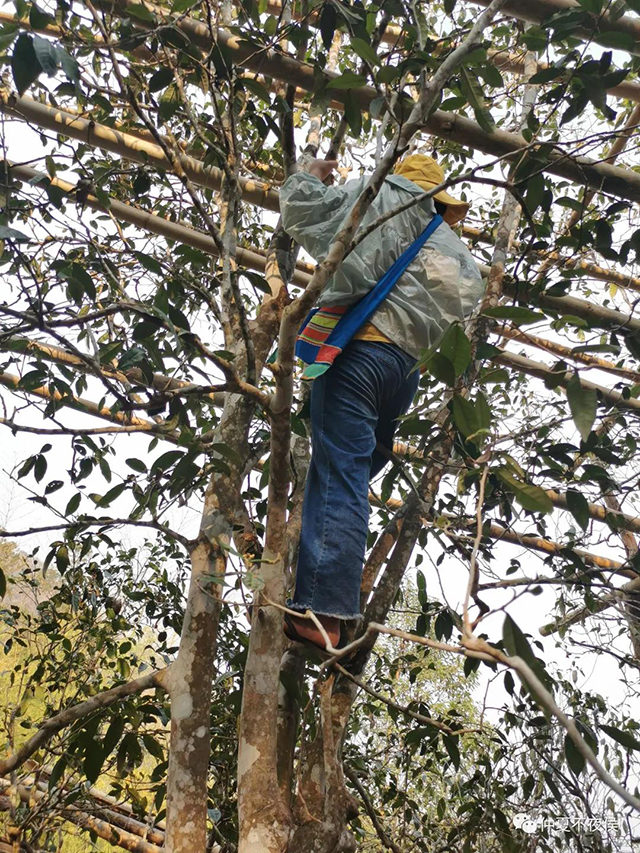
x: 359, y: 313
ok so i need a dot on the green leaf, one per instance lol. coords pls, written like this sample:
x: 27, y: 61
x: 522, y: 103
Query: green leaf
x: 491, y: 76
x: 464, y: 416
x: 39, y: 19
x: 169, y: 102
x: 3, y: 584
x: 113, y: 735
x: 617, y: 40
x: 516, y: 643
x: 348, y: 80
x: 535, y: 38
x: 73, y: 504
x: 7, y: 233
x: 548, y: 74
x: 483, y: 411
x: 528, y: 496
x: 365, y: 51
x: 486, y: 350
x: 257, y: 88
x: 593, y: 6
x: 621, y: 737
x: 137, y: 465
x: 472, y: 90
x: 141, y: 12
x: 578, y: 507
x: 328, y: 22
x: 62, y: 558
x: 583, y: 403
x: 449, y: 6
x: 441, y: 369
x: 456, y: 347
x: 451, y: 745
x: 576, y: 107
x: 149, y: 262
x: 69, y: 65
x: 353, y: 114
x: 46, y: 55
x: 93, y: 761
x: 166, y: 460
x: 160, y: 79
x: 575, y: 759
x: 518, y: 315
x: 535, y: 187
x: 24, y: 63
x: 596, y: 348
x: 111, y: 495
x: 56, y: 773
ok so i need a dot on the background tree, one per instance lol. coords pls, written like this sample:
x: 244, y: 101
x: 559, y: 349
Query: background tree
x: 146, y: 283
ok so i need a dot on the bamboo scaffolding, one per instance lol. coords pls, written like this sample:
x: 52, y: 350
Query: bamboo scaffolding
x: 595, y: 315
x: 601, y: 176
x: 394, y: 35
x: 620, y: 520
x: 115, y: 835
x: 254, y: 258
x: 539, y: 11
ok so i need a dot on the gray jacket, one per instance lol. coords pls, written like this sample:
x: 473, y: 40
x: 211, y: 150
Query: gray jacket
x: 440, y: 286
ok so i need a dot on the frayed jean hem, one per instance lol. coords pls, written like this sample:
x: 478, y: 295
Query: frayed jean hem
x: 302, y: 608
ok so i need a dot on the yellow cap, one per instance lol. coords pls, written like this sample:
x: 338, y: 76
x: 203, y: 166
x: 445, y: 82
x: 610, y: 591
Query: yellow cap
x: 426, y: 173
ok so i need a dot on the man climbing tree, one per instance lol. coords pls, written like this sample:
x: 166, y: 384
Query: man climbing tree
x: 356, y: 405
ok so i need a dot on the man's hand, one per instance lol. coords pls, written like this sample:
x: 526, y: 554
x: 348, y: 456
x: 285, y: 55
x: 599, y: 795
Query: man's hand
x: 322, y: 168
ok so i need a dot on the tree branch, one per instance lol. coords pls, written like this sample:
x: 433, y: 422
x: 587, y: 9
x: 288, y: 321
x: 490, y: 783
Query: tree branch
x: 77, y: 712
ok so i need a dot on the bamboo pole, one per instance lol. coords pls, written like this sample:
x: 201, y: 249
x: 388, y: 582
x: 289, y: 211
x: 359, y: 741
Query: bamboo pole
x: 88, y: 407
x: 543, y: 371
x: 596, y: 316
x: 116, y: 836
x: 394, y: 35
x: 159, y: 225
x: 547, y: 546
x: 253, y: 259
x: 590, y: 361
x: 134, y: 375
x: 127, y: 145
x: 619, y: 596
x: 594, y: 270
x: 597, y: 512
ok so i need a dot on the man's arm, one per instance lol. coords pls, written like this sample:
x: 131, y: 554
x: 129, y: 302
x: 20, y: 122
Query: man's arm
x: 312, y: 212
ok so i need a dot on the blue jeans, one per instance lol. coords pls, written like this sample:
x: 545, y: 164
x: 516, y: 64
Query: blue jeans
x: 354, y: 405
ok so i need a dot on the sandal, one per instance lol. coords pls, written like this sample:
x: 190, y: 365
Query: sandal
x: 291, y: 632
